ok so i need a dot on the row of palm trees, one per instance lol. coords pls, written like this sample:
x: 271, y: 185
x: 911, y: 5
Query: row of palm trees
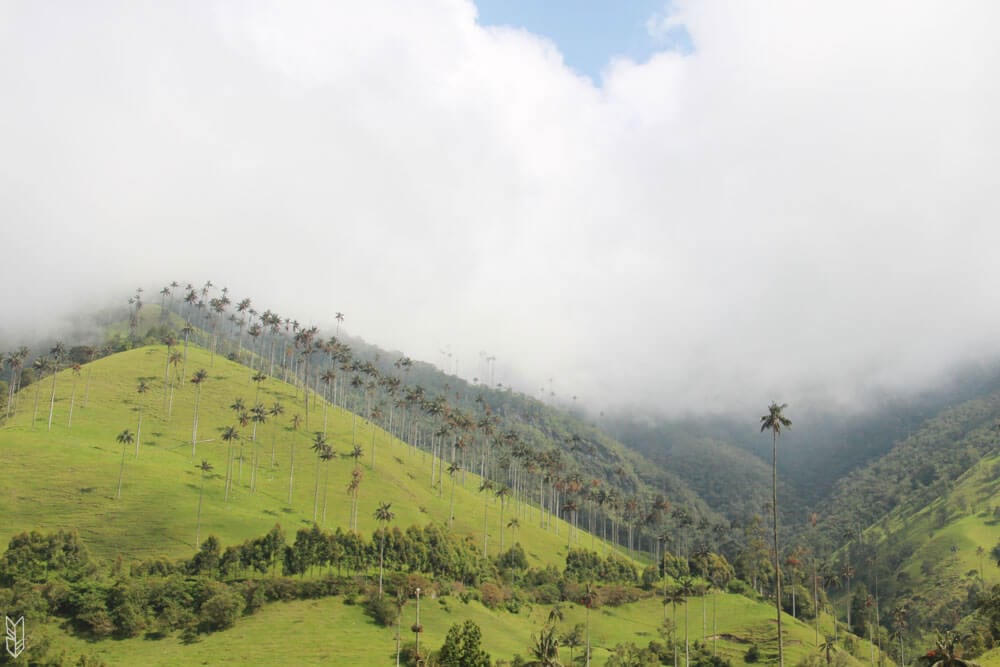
x: 457, y: 440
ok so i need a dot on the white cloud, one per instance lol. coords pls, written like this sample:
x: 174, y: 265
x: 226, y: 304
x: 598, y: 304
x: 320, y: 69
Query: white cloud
x: 804, y: 205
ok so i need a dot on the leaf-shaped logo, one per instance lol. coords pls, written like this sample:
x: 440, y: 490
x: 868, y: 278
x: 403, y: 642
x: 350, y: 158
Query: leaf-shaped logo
x: 15, y: 635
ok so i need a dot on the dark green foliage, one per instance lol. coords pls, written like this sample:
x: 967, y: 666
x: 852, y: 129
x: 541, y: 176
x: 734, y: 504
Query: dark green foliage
x: 513, y: 559
x: 35, y: 557
x: 584, y: 565
x: 221, y: 608
x: 461, y: 647
x: 752, y: 655
x: 382, y: 610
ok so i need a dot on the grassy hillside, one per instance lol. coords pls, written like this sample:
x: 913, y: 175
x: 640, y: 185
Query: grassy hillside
x: 67, y: 477
x: 320, y: 631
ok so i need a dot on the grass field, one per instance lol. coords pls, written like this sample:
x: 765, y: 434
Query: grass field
x: 67, y: 478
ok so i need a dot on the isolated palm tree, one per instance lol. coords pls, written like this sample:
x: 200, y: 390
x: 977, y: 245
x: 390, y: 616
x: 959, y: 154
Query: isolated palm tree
x: 197, y: 379
x: 353, y: 488
x: 326, y: 456
x: 383, y: 514
x: 774, y: 421
x: 140, y: 389
x: 58, y: 352
x: 452, y: 469
x: 675, y: 597
x: 72, y: 397
x: 945, y: 653
x: 502, y: 493
x: 276, y: 410
x: 296, y: 422
x: 319, y: 446
x: 174, y: 360
x: 687, y: 589
x: 545, y: 650
x: 205, y: 468
x: 589, y: 601
x: 487, y: 487
x: 827, y: 648
x: 40, y: 365
x: 124, y: 439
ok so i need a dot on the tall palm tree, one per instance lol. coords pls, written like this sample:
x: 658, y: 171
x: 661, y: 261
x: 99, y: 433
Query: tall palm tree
x: 452, y: 469
x: 502, y: 493
x: 353, y: 488
x: 205, y: 468
x: 545, y: 650
x: 230, y: 434
x: 58, y: 352
x: 276, y: 410
x: 40, y: 365
x: 687, y: 589
x: 675, y: 597
x: 140, y: 389
x: 589, y: 601
x: 296, y: 422
x: 174, y: 360
x: 197, y: 379
x: 774, y: 421
x: 124, y: 439
x: 326, y: 456
x: 945, y: 653
x: 487, y: 486
x: 258, y: 415
x: 383, y: 514
x: 72, y: 397
x: 319, y: 446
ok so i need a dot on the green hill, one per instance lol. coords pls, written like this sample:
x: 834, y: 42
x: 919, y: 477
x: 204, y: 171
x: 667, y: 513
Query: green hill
x: 67, y: 477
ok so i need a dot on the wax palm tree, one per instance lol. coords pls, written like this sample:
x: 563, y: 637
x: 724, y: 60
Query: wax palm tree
x: 296, y: 422
x: 687, y: 589
x: 258, y: 415
x: 486, y: 487
x: 75, y: 368
x: 774, y: 421
x: 589, y: 601
x: 140, y: 390
x: 502, y: 493
x: 170, y: 342
x: 275, y: 411
x: 40, y: 365
x: 674, y: 596
x: 230, y: 434
x: 205, y: 468
x: 197, y: 380
x: 945, y: 653
x: 319, y: 446
x: 452, y: 469
x: 326, y: 456
x: 58, y: 352
x: 124, y: 439
x: 174, y: 360
x: 383, y: 514
x: 354, y: 488
x: 258, y: 379
x: 827, y: 648
x: 545, y: 650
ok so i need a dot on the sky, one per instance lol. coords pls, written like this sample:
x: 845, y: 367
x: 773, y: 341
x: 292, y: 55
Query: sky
x: 693, y: 207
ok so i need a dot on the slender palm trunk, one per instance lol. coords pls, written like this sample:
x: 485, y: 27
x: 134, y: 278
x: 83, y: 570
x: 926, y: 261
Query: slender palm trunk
x: 197, y: 530
x: 72, y: 402
x: 777, y: 558
x: 138, y: 431
x: 194, y: 425
x: 52, y: 400
x: 121, y: 472
x: 291, y: 473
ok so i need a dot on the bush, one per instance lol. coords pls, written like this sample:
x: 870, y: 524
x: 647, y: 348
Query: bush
x: 221, y: 610
x: 752, y: 655
x: 492, y: 595
x: 382, y: 610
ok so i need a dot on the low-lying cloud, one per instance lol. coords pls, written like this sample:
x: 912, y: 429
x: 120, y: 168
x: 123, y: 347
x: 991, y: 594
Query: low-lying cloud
x: 804, y: 206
